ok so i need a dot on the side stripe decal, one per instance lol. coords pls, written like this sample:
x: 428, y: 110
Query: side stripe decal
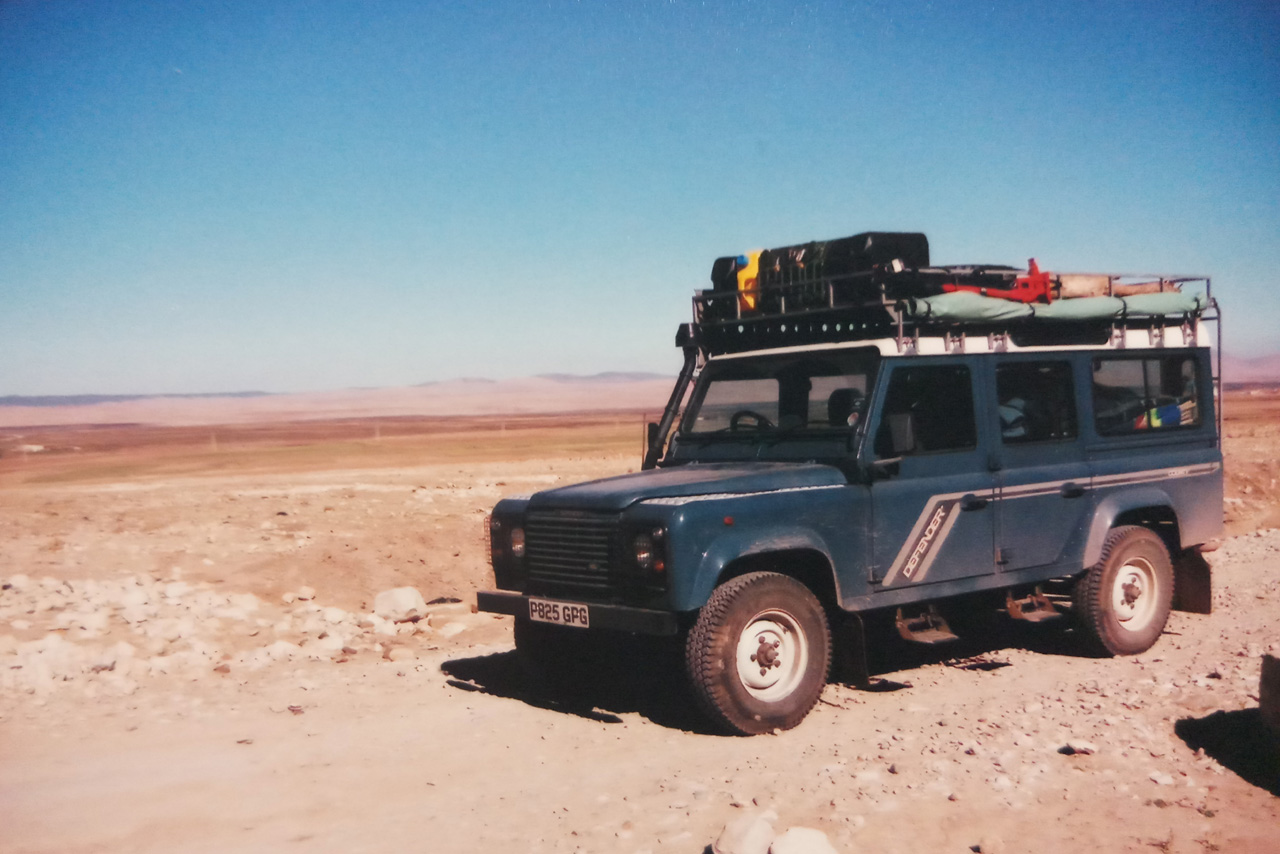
x: 940, y: 513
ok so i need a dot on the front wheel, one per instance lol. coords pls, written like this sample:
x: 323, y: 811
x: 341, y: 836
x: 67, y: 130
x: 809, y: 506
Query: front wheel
x: 1124, y: 600
x: 759, y: 652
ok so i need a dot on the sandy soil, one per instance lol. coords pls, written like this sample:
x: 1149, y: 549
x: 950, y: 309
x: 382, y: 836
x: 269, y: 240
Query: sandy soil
x: 190, y: 663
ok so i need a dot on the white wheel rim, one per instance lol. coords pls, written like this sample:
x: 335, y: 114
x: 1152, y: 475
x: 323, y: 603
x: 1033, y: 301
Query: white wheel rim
x: 772, y: 655
x: 1134, y: 594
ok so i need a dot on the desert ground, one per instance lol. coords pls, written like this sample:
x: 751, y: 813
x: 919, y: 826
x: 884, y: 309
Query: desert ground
x: 190, y: 662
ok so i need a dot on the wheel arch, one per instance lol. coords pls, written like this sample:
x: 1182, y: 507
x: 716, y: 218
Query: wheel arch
x: 1148, y: 507
x: 808, y: 565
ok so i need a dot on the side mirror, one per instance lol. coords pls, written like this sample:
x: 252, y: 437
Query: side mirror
x: 650, y: 434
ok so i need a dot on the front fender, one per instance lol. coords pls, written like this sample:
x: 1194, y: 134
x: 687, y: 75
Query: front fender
x: 738, y: 543
x: 1110, y: 508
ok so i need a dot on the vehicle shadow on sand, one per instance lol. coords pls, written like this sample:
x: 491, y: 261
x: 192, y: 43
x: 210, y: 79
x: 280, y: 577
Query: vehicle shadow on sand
x: 646, y: 679
x: 1240, y: 741
x: 646, y: 676
x: 978, y: 646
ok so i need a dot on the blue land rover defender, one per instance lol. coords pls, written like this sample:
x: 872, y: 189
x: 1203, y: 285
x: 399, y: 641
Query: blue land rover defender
x: 855, y: 431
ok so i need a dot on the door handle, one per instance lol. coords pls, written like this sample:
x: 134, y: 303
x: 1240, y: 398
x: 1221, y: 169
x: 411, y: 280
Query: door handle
x: 972, y: 502
x: 1071, y: 490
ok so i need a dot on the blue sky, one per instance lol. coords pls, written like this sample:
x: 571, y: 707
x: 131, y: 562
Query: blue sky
x: 204, y: 197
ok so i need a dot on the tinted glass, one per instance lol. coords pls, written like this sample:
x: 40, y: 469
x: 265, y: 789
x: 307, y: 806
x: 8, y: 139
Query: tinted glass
x: 1136, y: 395
x: 927, y: 409
x: 812, y: 392
x: 1036, y: 402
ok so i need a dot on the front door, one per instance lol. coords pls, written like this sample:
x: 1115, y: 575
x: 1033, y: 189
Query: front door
x: 933, y: 508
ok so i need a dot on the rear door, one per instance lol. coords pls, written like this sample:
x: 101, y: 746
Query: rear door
x: 1045, y: 500
x: 933, y: 513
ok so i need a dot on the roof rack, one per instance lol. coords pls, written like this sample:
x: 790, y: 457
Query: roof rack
x: 1027, y: 307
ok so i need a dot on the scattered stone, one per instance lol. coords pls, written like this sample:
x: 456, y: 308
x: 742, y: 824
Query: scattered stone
x: 1160, y: 778
x: 400, y: 604
x: 802, y: 840
x: 1082, y: 748
x: 306, y: 593
x: 990, y: 845
x: 750, y: 833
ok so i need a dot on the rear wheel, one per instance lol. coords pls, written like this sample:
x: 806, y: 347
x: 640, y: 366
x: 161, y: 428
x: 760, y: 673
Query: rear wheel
x: 1124, y: 600
x: 759, y: 652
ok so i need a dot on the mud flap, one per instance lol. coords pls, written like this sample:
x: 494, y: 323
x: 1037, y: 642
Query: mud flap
x: 849, y: 651
x: 1192, y: 586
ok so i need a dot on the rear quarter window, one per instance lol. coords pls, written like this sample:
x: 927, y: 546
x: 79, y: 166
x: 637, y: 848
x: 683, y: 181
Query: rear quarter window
x: 1145, y: 394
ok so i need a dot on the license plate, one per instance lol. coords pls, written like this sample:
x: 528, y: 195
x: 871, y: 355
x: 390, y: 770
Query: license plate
x: 560, y: 613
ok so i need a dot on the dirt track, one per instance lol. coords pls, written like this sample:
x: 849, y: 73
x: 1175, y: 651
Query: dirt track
x: 350, y: 735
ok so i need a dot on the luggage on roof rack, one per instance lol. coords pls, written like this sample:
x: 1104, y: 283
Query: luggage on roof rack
x: 879, y: 284
x: 749, y: 275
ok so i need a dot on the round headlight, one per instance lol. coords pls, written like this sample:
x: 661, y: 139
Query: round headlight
x: 517, y: 542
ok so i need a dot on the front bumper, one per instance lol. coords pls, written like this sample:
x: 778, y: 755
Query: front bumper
x: 642, y: 621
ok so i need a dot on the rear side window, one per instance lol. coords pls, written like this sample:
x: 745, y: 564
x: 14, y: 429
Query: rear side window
x: 1139, y: 395
x: 1036, y: 401
x: 927, y: 409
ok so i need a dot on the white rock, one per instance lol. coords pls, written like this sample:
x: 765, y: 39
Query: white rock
x: 334, y: 615
x: 306, y: 593
x: 176, y: 589
x: 95, y: 622
x: 330, y: 643
x: 802, y: 840
x: 400, y: 653
x: 282, y: 650
x: 20, y: 582
x: 1160, y: 778
x: 749, y: 833
x: 448, y: 630
x: 399, y: 604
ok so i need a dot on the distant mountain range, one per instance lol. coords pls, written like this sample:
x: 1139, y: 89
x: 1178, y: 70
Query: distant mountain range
x: 1260, y: 369
x: 1235, y: 370
x: 92, y: 399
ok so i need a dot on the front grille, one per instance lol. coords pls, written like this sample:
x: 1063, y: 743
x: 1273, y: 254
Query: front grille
x: 570, y: 549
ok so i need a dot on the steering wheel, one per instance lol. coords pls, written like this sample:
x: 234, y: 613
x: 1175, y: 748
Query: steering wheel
x: 761, y: 422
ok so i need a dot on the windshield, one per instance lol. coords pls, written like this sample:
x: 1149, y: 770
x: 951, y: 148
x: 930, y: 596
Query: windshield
x: 768, y: 396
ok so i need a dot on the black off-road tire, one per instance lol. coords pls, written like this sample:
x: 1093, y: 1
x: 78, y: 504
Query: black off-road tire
x: 1124, y: 600
x: 760, y: 620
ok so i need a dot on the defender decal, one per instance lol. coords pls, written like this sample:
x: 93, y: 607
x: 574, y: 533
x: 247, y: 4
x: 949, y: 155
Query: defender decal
x: 924, y: 551
x: 928, y: 534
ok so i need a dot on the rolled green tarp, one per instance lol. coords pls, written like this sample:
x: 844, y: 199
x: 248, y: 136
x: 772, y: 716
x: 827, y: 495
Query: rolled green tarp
x: 966, y: 307
x: 970, y: 307
x: 1169, y: 302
